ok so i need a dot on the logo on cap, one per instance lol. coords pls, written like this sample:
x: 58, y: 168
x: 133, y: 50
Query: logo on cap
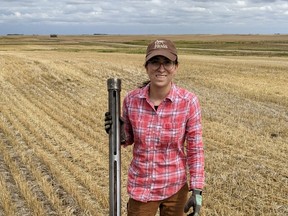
x: 160, y: 44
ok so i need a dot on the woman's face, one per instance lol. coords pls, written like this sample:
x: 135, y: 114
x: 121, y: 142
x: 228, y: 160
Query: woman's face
x: 161, y: 71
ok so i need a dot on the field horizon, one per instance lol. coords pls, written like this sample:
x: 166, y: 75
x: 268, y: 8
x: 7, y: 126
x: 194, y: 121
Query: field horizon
x: 53, y: 147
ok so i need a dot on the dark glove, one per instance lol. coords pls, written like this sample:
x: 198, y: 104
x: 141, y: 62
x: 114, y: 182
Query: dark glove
x: 195, y: 201
x: 108, y: 123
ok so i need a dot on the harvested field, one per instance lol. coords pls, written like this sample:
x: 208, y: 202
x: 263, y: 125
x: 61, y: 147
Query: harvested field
x: 54, y: 150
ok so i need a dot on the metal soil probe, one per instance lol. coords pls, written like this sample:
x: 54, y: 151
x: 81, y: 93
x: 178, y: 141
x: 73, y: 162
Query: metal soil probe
x: 114, y: 88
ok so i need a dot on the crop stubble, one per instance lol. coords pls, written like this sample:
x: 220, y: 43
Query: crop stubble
x: 54, y: 154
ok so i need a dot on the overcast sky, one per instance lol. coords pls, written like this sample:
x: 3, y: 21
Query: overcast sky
x: 143, y: 17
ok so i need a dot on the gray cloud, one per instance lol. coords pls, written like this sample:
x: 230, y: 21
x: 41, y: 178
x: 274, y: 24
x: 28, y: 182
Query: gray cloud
x: 138, y: 17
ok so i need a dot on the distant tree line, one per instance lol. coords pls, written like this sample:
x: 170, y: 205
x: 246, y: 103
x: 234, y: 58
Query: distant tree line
x: 14, y: 34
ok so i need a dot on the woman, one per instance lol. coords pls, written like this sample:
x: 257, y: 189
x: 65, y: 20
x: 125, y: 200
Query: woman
x: 158, y: 119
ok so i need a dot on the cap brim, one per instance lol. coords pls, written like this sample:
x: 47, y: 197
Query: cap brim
x: 164, y: 53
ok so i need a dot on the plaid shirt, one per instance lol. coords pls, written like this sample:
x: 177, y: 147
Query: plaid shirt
x: 158, y: 167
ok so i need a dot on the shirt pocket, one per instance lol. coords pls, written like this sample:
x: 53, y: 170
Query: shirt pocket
x: 172, y: 134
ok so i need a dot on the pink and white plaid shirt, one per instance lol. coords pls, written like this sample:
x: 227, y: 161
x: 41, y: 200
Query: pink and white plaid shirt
x: 158, y: 167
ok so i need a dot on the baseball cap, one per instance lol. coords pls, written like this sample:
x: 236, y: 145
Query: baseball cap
x: 161, y: 47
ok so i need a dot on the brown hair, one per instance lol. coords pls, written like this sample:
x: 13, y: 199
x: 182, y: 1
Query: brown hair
x: 143, y: 84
